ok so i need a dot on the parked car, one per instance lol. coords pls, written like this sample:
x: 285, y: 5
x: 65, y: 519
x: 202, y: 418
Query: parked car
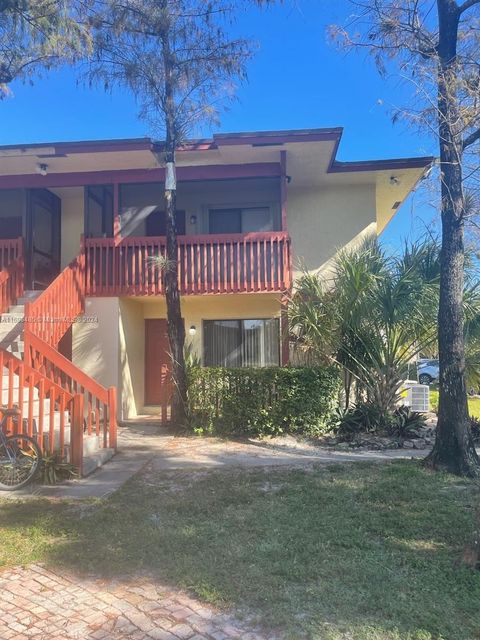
x: 427, y: 371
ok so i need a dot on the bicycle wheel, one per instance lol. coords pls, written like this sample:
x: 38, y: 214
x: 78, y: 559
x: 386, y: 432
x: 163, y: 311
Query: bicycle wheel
x: 20, y: 459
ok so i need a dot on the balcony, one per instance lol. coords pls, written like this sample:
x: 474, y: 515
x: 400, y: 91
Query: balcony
x: 208, y: 264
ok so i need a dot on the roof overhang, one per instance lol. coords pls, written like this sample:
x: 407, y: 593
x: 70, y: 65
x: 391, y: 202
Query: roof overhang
x: 311, y: 162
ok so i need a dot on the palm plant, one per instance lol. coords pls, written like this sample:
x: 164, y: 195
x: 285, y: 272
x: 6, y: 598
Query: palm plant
x: 375, y: 314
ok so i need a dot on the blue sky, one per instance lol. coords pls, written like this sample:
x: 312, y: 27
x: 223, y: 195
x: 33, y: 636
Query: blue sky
x: 296, y: 80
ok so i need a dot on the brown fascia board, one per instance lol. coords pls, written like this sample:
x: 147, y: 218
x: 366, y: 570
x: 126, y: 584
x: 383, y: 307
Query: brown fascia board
x: 267, y: 138
x: 86, y: 146
x: 202, y: 144
x: 381, y: 165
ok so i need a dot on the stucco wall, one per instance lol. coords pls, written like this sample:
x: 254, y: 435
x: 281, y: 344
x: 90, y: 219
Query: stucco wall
x: 72, y: 222
x: 112, y: 350
x: 320, y: 221
x: 195, y: 309
x: 132, y: 348
x: 96, y: 345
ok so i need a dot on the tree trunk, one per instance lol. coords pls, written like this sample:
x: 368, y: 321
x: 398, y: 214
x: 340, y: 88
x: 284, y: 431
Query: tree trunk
x: 176, y: 327
x: 454, y: 449
x: 175, y: 324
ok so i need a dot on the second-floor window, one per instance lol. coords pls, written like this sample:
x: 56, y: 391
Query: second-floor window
x: 99, y: 211
x: 240, y: 220
x: 156, y: 224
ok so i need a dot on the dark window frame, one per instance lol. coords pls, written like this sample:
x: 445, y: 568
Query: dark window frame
x: 241, y: 321
x: 238, y: 210
x: 107, y: 217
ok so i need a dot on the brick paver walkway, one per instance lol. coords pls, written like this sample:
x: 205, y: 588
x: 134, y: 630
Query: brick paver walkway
x: 38, y: 604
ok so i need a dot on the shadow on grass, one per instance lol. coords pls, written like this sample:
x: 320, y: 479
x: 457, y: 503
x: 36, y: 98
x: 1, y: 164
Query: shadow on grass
x: 360, y: 551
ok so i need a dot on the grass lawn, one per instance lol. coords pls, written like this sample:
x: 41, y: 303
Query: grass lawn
x: 473, y: 403
x: 350, y: 552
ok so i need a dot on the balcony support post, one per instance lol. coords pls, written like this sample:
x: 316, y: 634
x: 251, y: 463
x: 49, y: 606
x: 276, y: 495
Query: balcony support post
x: 117, y: 232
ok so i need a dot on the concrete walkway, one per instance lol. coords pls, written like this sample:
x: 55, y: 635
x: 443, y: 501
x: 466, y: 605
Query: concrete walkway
x: 141, y: 443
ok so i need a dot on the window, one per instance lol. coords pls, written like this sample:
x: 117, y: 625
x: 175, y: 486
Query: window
x: 240, y: 220
x: 99, y: 211
x: 241, y: 343
x: 156, y: 223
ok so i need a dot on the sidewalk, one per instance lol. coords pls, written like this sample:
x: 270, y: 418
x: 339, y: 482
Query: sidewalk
x: 140, y: 444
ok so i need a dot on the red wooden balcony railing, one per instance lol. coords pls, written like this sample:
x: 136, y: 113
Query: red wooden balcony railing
x: 10, y: 250
x: 55, y: 309
x: 239, y: 263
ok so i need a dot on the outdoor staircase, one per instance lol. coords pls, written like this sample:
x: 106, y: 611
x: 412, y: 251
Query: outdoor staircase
x: 11, y: 324
x: 51, y: 425
x: 54, y: 428
x: 67, y: 411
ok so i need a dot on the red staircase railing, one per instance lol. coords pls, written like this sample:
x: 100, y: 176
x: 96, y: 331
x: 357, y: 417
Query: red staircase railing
x: 10, y: 249
x: 46, y: 386
x: 100, y: 406
x: 12, y: 280
x: 55, y: 309
x: 251, y: 262
x: 42, y: 405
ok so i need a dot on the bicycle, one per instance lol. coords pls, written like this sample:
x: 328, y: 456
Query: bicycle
x: 20, y: 455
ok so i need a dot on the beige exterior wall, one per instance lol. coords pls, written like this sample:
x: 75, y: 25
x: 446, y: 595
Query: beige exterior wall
x: 195, y: 309
x: 96, y: 345
x: 321, y: 221
x: 72, y: 222
x: 131, y: 350
x: 112, y: 350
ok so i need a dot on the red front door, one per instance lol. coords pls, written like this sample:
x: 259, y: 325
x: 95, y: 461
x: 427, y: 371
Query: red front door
x: 158, y: 365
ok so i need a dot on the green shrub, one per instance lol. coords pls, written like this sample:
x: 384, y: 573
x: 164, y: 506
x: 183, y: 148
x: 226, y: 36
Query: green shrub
x: 475, y: 426
x: 367, y: 417
x: 259, y: 402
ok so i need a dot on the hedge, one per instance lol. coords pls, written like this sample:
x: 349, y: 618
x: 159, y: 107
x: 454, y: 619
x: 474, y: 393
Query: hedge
x: 259, y: 402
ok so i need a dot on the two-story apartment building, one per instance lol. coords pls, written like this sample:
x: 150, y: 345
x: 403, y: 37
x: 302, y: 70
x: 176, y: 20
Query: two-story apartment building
x: 83, y: 222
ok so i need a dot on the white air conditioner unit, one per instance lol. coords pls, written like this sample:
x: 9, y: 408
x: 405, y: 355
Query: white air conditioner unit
x: 416, y: 396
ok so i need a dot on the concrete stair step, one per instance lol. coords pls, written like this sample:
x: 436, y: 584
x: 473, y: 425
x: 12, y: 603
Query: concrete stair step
x: 28, y: 296
x: 91, y: 444
x: 16, y: 395
x: 94, y: 461
x: 46, y: 422
x: 10, y: 331
x: 12, y: 318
